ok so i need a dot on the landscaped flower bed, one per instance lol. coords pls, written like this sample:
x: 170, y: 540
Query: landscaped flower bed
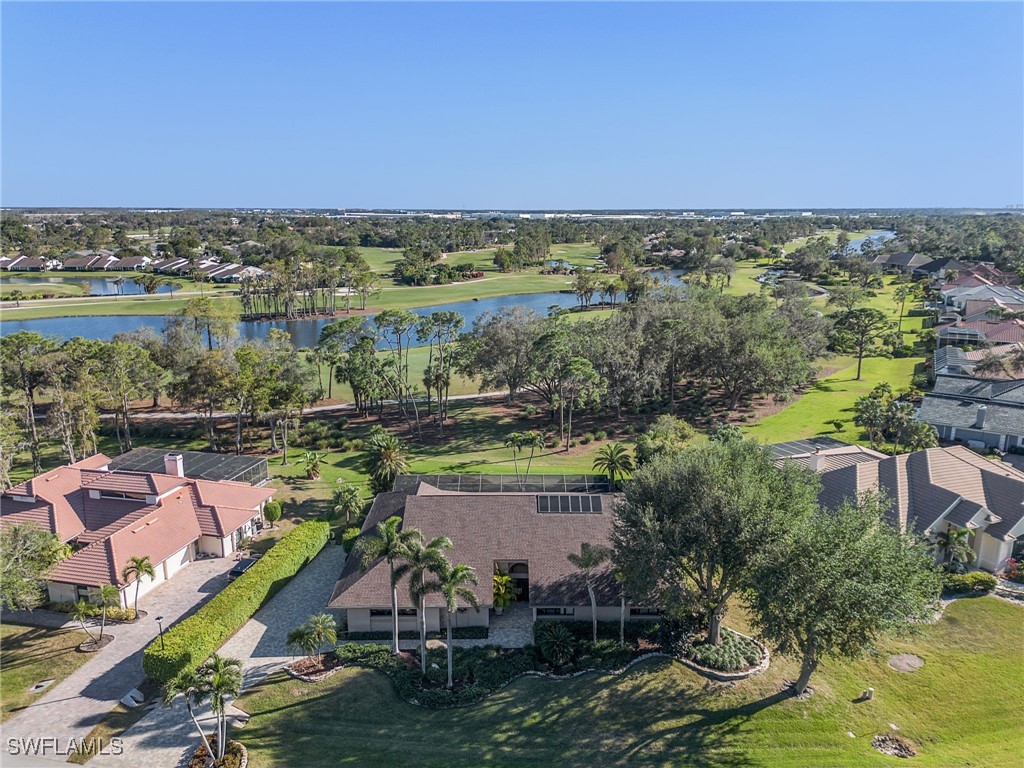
x: 312, y: 669
x: 235, y: 756
x: 735, y: 653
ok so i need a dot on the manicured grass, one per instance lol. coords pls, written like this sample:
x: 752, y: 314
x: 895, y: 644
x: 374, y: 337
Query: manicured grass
x: 31, y: 655
x: 577, y: 254
x: 960, y: 709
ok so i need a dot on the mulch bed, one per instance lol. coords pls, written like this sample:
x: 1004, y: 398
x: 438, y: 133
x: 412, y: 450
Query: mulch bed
x: 235, y: 756
x: 895, y: 746
x: 311, y: 667
x: 91, y: 646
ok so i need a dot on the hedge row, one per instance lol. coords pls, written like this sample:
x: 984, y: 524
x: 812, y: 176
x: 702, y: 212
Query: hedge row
x: 975, y: 581
x: 188, y: 644
x: 458, y: 633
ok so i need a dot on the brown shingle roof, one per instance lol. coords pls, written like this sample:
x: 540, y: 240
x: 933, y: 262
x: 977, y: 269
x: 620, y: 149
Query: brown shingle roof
x: 485, y: 528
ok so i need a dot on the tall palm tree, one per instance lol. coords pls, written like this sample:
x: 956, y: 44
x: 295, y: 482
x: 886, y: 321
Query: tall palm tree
x: 222, y: 677
x: 391, y: 543
x: 387, y: 459
x: 195, y: 690
x: 425, y: 561
x: 347, y: 500
x: 613, y: 460
x: 136, y: 568
x: 515, y: 442
x: 81, y: 611
x: 590, y: 558
x: 109, y: 596
x: 455, y: 582
x: 532, y: 440
x: 955, y: 546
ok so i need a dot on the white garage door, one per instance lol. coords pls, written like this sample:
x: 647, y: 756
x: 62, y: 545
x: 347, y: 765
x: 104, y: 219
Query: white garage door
x: 177, y: 561
x: 146, y: 585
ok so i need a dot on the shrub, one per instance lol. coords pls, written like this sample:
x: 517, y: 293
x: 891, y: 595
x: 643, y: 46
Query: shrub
x: 189, y: 643
x: 734, y: 653
x: 556, y: 642
x: 1014, y: 571
x: 459, y: 633
x: 272, y: 511
x: 975, y: 581
x: 348, y: 538
x: 600, y: 435
x: 587, y: 438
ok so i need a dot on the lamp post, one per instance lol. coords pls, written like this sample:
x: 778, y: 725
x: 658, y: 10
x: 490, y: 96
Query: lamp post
x: 160, y: 623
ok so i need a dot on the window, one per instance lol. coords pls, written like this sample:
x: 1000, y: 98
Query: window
x: 556, y: 611
x: 376, y: 613
x: 1018, y: 548
x: 644, y: 612
x: 114, y: 495
x: 405, y: 612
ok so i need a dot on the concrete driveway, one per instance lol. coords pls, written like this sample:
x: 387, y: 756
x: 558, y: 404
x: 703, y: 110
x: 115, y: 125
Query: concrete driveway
x: 165, y: 736
x: 79, y: 702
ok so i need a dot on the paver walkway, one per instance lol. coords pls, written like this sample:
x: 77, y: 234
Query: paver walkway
x: 165, y: 737
x: 79, y: 702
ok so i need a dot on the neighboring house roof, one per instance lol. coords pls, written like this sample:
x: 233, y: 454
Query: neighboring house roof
x: 964, y: 402
x: 825, y: 459
x: 160, y: 515
x: 904, y: 260
x: 943, y: 264
x: 937, y: 484
x: 80, y: 262
x: 1008, y: 293
x: 132, y: 262
x: 991, y: 331
x: 955, y: 361
x: 485, y: 528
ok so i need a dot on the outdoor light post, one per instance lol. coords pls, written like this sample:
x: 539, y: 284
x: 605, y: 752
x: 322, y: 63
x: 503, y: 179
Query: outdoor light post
x: 160, y: 623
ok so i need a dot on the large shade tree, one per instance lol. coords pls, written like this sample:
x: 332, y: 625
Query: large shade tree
x: 692, y: 525
x: 838, y: 582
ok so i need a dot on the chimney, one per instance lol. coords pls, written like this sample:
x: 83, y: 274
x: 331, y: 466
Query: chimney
x: 979, y: 420
x: 816, y: 461
x: 174, y: 464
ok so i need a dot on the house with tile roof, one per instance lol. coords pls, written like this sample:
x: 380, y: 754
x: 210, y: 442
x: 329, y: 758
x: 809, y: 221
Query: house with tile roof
x: 938, y: 489
x: 528, y: 535
x: 983, y: 413
x: 110, y: 516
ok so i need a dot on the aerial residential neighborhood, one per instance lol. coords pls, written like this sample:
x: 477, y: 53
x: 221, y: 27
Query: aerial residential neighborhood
x: 449, y: 385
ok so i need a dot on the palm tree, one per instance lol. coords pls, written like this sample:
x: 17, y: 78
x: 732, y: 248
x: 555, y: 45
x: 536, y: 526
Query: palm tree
x: 347, y: 500
x: 424, y: 561
x: 109, y: 596
x: 195, y: 690
x: 136, y: 568
x: 589, y: 559
x: 455, y: 582
x: 991, y: 365
x: 955, y: 546
x: 532, y: 440
x: 391, y: 543
x: 387, y: 459
x: 119, y: 282
x: 313, y: 460
x: 515, y: 442
x: 318, y: 630
x: 920, y: 435
x: 81, y: 611
x: 17, y: 295
x: 898, y: 420
x: 613, y: 460
x: 222, y: 677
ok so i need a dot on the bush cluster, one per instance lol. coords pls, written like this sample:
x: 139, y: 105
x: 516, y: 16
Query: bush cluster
x: 188, y: 644
x: 975, y: 581
x: 348, y: 538
x: 320, y: 435
x: 113, y: 613
x: 735, y: 653
x: 567, y: 645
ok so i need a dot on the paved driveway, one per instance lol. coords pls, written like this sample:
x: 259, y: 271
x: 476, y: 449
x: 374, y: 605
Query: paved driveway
x: 79, y: 702
x: 165, y: 737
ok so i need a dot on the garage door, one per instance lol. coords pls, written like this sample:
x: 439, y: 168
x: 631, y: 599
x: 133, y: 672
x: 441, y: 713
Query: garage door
x: 177, y: 561
x: 147, y: 583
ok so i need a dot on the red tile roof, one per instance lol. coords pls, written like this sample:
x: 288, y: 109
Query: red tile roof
x: 111, y: 530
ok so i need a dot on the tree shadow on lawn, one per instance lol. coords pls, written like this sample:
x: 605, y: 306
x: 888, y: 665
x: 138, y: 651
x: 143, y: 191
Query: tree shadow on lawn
x: 637, y: 719
x: 31, y: 647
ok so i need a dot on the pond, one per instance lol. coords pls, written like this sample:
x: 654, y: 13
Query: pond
x: 92, y: 286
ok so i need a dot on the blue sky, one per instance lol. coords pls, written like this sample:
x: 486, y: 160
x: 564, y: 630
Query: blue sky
x: 513, y: 105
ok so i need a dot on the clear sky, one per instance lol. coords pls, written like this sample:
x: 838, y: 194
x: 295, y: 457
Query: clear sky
x: 513, y: 105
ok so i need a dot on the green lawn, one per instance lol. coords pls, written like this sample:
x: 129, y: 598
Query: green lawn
x: 961, y: 709
x: 577, y: 254
x: 30, y: 655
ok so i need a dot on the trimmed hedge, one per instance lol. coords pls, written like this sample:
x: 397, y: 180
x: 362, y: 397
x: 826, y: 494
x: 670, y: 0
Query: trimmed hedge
x: 975, y: 581
x: 458, y: 633
x: 190, y: 643
x: 348, y: 539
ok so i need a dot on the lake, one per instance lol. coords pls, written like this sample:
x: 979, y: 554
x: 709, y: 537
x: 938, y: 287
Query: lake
x: 304, y: 332
x: 94, y: 286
